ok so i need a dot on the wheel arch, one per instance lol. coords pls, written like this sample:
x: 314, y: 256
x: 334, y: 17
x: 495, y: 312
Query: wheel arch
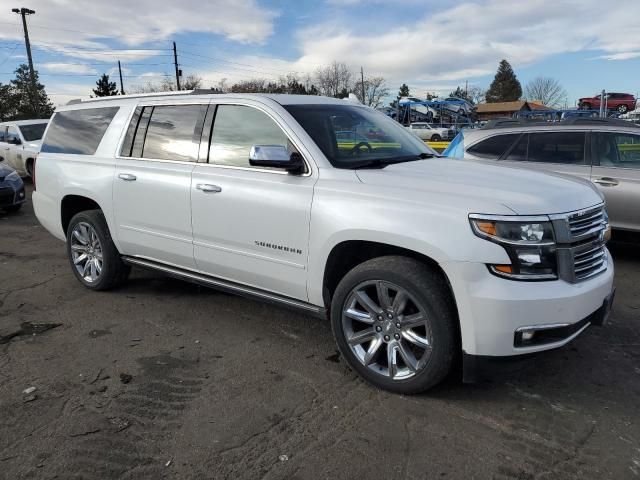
x: 73, y: 204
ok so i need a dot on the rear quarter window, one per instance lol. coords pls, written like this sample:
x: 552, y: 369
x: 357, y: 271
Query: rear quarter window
x: 78, y: 131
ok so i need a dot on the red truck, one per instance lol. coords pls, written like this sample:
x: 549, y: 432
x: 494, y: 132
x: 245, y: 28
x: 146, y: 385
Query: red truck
x: 622, y: 102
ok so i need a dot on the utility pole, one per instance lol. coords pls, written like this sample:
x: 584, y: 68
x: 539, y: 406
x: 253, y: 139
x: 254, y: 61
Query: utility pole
x: 120, y: 72
x: 175, y: 62
x: 23, y: 12
x: 362, y: 85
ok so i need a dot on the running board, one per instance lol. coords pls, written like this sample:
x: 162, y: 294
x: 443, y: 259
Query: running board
x: 226, y: 286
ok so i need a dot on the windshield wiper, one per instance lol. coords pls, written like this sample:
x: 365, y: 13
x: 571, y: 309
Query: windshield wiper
x: 383, y: 162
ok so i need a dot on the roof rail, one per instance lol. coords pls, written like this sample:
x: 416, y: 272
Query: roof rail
x: 205, y: 91
x: 134, y: 95
x: 525, y: 122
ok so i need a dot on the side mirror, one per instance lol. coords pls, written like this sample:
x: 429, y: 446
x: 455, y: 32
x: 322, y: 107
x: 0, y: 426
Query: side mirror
x: 15, y: 141
x: 276, y: 156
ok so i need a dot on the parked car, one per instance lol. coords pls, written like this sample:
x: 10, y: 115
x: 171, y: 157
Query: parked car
x: 424, y: 131
x: 12, y: 194
x: 604, y: 151
x: 418, y: 109
x: 621, y: 102
x: 458, y: 105
x: 416, y: 260
x: 20, y: 143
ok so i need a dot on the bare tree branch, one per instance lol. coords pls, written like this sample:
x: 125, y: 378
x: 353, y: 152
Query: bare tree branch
x: 546, y: 90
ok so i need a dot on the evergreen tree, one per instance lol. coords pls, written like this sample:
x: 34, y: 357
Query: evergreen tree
x: 505, y: 86
x: 7, y: 103
x: 404, y: 91
x: 105, y: 88
x: 29, y: 102
x: 459, y: 93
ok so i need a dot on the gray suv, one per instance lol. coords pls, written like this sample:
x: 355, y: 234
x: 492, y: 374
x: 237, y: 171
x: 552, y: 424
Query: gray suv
x: 604, y: 151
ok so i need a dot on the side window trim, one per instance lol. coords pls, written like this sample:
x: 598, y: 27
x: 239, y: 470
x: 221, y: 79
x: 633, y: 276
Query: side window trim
x: 207, y: 129
x: 143, y: 123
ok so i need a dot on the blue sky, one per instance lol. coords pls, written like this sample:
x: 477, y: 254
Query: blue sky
x: 432, y: 45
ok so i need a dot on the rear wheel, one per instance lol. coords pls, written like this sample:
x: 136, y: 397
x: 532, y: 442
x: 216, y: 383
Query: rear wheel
x: 395, y: 324
x: 585, y: 106
x: 94, y: 258
x: 623, y: 109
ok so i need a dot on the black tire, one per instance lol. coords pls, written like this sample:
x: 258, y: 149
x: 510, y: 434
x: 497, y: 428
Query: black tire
x: 436, y: 138
x: 29, y: 167
x: 425, y: 285
x: 13, y: 208
x: 585, y: 106
x: 114, y: 271
x: 622, y: 109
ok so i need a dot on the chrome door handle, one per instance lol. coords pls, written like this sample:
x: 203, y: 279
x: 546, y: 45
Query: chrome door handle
x: 208, y: 188
x: 606, y: 181
x: 127, y: 177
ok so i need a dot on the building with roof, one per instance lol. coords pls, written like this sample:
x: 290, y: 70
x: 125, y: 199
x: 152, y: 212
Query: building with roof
x: 489, y: 111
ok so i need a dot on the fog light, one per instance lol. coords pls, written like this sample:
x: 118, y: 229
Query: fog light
x: 21, y: 194
x: 527, y: 336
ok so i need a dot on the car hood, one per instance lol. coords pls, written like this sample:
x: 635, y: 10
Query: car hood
x: 524, y: 192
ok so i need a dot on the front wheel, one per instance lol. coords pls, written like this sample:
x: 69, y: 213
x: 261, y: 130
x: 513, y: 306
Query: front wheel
x: 436, y: 138
x: 394, y: 322
x: 94, y: 258
x: 623, y: 109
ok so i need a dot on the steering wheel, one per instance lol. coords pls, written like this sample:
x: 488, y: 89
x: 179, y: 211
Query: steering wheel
x: 357, y: 148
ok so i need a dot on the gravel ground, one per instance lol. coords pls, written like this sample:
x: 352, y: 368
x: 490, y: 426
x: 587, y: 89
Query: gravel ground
x: 163, y: 379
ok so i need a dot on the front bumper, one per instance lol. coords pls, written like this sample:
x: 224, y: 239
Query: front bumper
x: 492, y: 310
x: 11, y: 195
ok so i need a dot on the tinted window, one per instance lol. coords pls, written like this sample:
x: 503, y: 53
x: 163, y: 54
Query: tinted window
x: 125, y: 150
x: 236, y: 129
x: 351, y: 135
x: 557, y: 147
x: 32, y: 132
x: 174, y: 133
x: 617, y: 150
x: 493, y: 147
x: 2, y: 133
x: 519, y: 150
x: 78, y: 131
x: 12, y: 135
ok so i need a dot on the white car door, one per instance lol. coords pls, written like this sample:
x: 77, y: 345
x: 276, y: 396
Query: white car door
x: 251, y: 225
x: 4, y: 146
x: 13, y: 150
x: 152, y: 181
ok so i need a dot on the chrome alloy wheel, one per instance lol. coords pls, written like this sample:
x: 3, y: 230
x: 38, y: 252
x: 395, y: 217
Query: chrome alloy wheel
x: 387, y: 329
x: 86, y: 252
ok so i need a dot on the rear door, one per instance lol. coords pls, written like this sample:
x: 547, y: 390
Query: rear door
x: 616, y: 172
x: 151, y: 188
x: 554, y: 151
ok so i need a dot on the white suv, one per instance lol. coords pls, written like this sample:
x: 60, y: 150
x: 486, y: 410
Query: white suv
x: 20, y: 143
x: 416, y: 260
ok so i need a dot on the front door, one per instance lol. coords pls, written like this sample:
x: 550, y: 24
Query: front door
x: 250, y: 225
x: 152, y: 182
x: 616, y: 172
x: 13, y: 150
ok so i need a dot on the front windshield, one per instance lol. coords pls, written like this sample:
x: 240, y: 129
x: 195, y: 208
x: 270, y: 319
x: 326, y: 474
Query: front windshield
x: 352, y: 135
x: 32, y: 132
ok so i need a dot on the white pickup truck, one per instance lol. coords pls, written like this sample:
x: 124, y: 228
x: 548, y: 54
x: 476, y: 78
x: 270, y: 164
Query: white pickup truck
x: 334, y: 209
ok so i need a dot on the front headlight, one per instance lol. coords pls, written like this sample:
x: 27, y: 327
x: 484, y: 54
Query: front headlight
x: 529, y: 242
x: 12, y: 177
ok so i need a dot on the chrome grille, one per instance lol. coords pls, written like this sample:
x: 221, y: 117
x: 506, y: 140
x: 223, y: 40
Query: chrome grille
x: 581, y: 243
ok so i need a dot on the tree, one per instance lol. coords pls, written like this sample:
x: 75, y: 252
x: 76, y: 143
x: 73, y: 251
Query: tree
x: 375, y: 90
x: 460, y: 93
x: 334, y: 80
x: 505, y: 86
x: 191, y: 82
x: 476, y: 94
x: 29, y: 102
x: 546, y: 90
x: 404, y: 91
x: 7, y: 103
x: 105, y: 88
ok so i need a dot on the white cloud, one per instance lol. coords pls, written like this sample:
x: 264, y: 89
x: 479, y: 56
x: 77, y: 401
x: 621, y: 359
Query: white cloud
x: 86, y: 23
x: 67, y: 67
x: 619, y: 56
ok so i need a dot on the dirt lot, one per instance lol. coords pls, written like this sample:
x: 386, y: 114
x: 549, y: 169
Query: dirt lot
x: 163, y: 379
